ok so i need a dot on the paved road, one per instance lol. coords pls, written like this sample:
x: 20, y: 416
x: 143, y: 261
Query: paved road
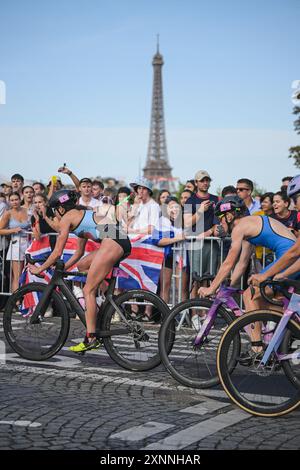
x: 89, y: 403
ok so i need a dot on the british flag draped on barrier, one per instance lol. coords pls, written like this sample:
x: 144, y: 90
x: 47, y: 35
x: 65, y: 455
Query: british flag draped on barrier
x: 143, y: 266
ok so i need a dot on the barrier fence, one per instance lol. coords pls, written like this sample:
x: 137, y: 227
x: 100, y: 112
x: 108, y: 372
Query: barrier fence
x: 192, y: 259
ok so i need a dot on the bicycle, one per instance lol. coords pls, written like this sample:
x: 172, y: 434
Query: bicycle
x: 191, y: 356
x: 128, y: 339
x: 265, y: 380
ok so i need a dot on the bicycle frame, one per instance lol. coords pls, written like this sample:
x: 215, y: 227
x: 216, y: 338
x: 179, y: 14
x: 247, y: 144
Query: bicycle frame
x: 57, y: 280
x: 291, y: 308
x: 224, y: 296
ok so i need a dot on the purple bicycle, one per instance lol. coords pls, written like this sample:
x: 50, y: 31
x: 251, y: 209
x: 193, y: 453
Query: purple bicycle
x: 196, y: 327
x: 265, y: 380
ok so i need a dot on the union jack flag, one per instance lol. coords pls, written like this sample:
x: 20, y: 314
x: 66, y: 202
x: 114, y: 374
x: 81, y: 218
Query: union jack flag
x: 142, y: 268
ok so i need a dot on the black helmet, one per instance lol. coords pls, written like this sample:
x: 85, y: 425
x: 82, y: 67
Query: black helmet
x: 66, y: 198
x: 229, y: 204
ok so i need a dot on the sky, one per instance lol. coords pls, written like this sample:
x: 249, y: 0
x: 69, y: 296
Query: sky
x: 78, y: 78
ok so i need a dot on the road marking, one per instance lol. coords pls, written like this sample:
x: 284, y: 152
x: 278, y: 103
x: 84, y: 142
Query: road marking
x: 199, y: 431
x: 138, y: 433
x: 204, y: 408
x: 57, y: 361
x: 29, y: 424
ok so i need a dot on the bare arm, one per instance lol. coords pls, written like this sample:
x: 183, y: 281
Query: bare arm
x: 4, y: 221
x: 242, y: 264
x: 73, y: 177
x: 58, y: 250
x: 81, y: 242
x: 227, y: 265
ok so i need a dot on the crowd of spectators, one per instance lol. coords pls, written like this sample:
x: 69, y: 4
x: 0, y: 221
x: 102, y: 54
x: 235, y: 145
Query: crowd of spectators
x: 186, y: 217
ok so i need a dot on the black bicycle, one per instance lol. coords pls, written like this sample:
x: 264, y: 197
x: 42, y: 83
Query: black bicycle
x: 129, y: 339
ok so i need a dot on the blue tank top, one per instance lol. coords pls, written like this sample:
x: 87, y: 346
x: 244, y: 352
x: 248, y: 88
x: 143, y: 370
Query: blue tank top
x: 87, y: 227
x: 270, y: 239
x: 14, y: 223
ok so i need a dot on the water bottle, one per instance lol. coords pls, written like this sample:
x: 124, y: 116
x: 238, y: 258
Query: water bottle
x: 78, y: 292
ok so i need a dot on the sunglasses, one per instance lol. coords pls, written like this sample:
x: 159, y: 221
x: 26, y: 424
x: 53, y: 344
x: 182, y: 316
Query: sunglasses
x: 242, y: 189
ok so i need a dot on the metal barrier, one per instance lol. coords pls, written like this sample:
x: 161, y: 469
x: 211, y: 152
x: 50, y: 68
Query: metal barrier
x: 187, y: 248
x: 183, y: 255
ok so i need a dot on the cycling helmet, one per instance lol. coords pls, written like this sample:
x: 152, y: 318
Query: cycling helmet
x: 294, y: 186
x: 65, y: 198
x: 229, y: 204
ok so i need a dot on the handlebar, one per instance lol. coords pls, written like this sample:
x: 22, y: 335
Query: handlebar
x: 59, y: 267
x: 283, y: 284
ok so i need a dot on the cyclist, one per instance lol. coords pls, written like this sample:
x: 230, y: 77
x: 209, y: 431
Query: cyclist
x: 289, y: 264
x: 247, y: 232
x: 86, y: 224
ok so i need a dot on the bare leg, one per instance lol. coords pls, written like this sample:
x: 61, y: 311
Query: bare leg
x: 165, y: 279
x: 255, y: 302
x: 17, y: 267
x: 104, y: 260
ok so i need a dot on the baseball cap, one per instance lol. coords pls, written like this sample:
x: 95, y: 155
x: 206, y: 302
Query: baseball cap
x: 202, y: 174
x: 85, y: 180
x: 6, y: 183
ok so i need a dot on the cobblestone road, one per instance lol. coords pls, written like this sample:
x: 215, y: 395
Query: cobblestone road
x: 89, y: 403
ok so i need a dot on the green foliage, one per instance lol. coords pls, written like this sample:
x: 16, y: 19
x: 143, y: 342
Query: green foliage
x: 295, y: 151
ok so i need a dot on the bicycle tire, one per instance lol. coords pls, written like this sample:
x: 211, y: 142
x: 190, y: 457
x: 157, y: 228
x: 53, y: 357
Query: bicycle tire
x: 49, y: 335
x: 198, y: 368
x: 137, y: 351
x: 268, y: 392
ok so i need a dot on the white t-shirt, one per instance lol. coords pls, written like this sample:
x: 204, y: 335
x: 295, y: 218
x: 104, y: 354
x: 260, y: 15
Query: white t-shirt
x: 147, y: 214
x: 92, y: 203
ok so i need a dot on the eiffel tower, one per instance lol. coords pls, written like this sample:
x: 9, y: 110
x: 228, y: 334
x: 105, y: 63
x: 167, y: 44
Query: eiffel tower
x: 158, y: 169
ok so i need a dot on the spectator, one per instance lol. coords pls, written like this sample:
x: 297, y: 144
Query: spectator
x: 228, y: 191
x: 39, y: 188
x: 184, y: 196
x: 244, y: 191
x: 266, y: 202
x: 97, y: 189
x: 112, y: 184
x: 200, y: 221
x: 191, y: 185
x: 17, y: 182
x: 147, y: 211
x: 169, y: 232
x: 285, y: 181
x: 15, y: 222
x: 3, y: 204
x: 123, y: 205
x: 28, y: 193
x: 86, y: 199
x: 6, y: 189
x: 43, y: 220
x: 264, y: 256
x: 289, y: 218
x: 162, y: 196
x: 111, y: 193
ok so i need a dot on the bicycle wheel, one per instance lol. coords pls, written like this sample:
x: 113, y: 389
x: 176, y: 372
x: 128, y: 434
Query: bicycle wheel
x: 43, y: 339
x: 138, y: 349
x: 259, y: 390
x: 193, y: 366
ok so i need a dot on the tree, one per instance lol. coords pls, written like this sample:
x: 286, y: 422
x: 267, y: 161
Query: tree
x: 295, y: 151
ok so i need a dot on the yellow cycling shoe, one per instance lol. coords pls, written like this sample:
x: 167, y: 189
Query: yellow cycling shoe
x: 81, y: 348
